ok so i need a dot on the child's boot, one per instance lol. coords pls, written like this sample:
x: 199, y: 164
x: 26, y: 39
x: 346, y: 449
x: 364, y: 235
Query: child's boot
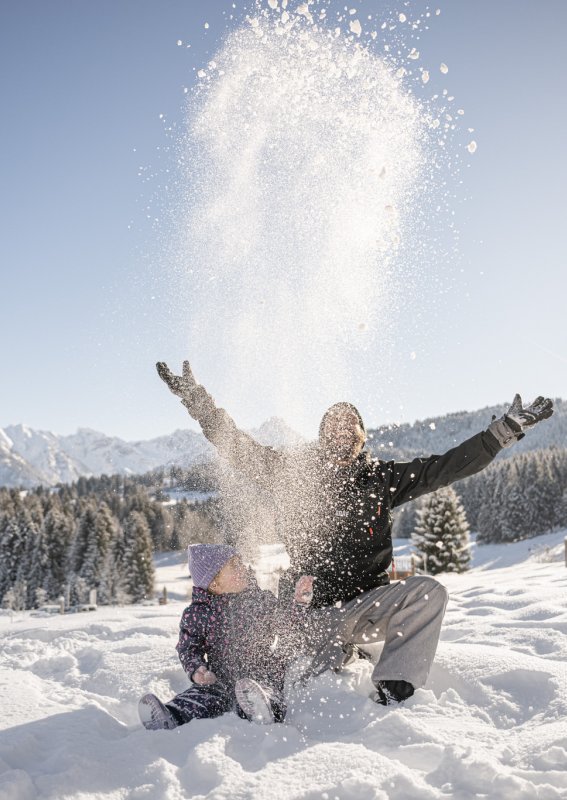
x: 154, y: 716
x: 258, y: 703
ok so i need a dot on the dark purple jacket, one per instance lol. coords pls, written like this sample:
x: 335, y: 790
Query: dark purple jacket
x: 244, y: 635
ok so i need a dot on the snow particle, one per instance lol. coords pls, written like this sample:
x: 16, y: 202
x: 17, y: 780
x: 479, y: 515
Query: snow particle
x: 432, y: 426
x: 471, y: 147
x: 402, y: 17
x: 207, y: 26
x: 444, y: 69
x: 425, y: 76
x: 355, y: 27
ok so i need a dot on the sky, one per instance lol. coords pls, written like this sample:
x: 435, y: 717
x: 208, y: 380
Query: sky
x: 93, y: 106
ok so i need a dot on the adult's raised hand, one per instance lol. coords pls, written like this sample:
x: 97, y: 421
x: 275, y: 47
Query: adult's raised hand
x: 181, y: 385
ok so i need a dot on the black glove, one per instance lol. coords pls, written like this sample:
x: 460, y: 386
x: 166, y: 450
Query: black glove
x: 520, y: 418
x: 194, y: 397
x: 510, y: 428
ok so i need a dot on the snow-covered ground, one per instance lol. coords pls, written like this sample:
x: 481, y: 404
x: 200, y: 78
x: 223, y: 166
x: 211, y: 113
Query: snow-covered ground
x: 492, y: 721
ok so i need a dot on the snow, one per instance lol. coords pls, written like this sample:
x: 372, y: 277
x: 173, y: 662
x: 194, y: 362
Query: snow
x: 490, y: 722
x: 355, y: 27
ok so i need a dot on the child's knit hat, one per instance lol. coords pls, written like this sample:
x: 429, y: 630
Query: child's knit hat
x: 207, y: 560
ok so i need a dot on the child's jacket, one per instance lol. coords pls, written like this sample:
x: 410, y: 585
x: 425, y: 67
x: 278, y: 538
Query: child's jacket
x: 243, y: 635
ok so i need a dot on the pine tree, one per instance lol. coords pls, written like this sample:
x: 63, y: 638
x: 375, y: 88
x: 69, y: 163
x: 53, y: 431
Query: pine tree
x: 441, y: 537
x: 37, y: 572
x: 111, y: 584
x: 489, y: 519
x: 83, y: 538
x: 137, y: 565
x: 11, y: 548
x: 58, y: 528
x: 101, y: 535
x: 514, y: 515
x: 562, y: 511
x: 31, y: 561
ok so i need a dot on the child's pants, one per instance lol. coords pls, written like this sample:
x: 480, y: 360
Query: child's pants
x: 201, y: 702
x: 205, y: 702
x: 406, y: 615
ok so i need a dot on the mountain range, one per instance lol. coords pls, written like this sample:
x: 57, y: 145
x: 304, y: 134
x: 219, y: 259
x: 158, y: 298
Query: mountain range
x: 31, y: 457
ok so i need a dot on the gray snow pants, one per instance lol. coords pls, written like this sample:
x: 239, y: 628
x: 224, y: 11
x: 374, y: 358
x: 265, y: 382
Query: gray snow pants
x: 407, y: 616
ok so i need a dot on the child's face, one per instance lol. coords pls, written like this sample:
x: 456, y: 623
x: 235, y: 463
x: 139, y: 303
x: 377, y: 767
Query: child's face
x: 232, y: 579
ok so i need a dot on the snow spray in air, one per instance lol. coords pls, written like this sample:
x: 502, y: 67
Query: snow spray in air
x: 304, y: 156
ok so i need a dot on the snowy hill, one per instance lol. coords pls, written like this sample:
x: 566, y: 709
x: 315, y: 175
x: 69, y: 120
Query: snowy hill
x: 439, y: 434
x: 29, y: 457
x: 491, y: 721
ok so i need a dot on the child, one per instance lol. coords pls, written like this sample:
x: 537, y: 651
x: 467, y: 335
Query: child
x: 235, y: 642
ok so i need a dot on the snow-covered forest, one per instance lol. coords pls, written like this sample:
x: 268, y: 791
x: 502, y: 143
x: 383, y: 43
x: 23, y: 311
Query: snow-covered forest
x: 514, y: 498
x: 99, y: 533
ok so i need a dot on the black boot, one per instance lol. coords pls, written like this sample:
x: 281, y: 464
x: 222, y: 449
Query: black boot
x: 390, y: 692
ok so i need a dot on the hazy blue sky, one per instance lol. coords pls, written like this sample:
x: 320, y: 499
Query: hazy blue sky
x: 86, y: 306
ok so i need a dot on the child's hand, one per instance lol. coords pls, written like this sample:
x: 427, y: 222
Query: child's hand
x: 204, y: 677
x: 304, y: 589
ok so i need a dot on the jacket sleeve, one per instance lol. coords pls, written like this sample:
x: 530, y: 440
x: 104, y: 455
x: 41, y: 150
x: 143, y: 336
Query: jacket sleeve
x: 245, y: 455
x: 406, y: 481
x: 192, y: 638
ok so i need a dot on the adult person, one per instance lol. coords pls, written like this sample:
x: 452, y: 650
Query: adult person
x: 333, y: 504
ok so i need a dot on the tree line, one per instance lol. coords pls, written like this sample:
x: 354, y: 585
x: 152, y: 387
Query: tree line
x: 512, y: 499
x: 98, y: 533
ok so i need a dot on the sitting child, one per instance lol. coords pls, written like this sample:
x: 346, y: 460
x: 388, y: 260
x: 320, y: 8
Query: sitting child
x: 235, y: 642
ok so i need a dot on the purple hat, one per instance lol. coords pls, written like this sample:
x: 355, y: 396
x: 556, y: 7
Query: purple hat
x: 207, y: 560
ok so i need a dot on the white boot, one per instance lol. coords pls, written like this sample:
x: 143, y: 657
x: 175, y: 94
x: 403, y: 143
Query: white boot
x: 259, y: 703
x: 154, y: 716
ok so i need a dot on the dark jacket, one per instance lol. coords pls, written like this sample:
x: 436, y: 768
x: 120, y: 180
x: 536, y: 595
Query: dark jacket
x: 243, y: 635
x: 336, y: 522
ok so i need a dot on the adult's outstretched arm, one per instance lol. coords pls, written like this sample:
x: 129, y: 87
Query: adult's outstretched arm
x: 257, y: 462
x: 406, y: 481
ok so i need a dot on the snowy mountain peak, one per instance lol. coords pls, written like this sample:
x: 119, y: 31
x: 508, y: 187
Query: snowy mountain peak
x: 276, y: 432
x: 5, y: 442
x: 29, y: 457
